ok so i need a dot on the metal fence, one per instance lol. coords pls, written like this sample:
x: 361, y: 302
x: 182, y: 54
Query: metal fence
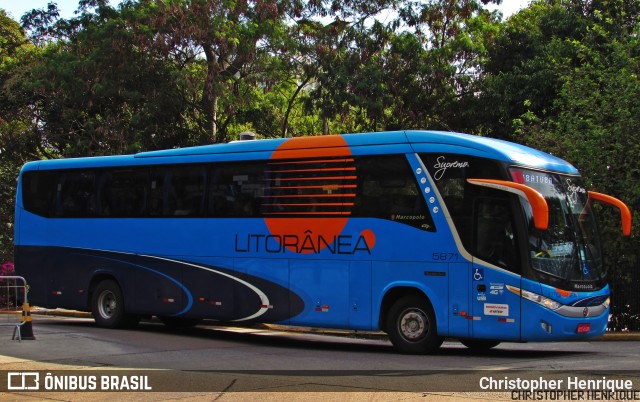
x: 13, y: 299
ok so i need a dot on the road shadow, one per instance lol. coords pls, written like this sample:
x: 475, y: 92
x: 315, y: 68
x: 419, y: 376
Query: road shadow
x: 261, y: 335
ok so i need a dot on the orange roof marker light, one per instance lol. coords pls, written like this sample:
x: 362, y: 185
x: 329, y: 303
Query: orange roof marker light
x: 538, y: 203
x: 625, y: 213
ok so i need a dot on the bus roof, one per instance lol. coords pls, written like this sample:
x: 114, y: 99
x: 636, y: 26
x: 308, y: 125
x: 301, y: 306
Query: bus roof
x: 422, y: 141
x: 358, y: 144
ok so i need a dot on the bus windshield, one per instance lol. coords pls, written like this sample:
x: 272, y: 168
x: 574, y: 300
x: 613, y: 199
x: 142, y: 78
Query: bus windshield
x: 569, y: 250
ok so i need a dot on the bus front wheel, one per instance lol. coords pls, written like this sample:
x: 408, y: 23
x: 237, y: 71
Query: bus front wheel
x: 107, y: 306
x: 411, y: 326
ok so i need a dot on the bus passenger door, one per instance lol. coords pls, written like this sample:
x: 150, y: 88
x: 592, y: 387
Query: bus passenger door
x: 323, y: 286
x: 496, y: 265
x: 459, y: 324
x: 360, y: 313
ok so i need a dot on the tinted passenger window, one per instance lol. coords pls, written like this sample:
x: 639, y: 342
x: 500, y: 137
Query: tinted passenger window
x: 450, y: 173
x: 177, y: 190
x: 75, y: 195
x: 159, y: 184
x: 483, y: 217
x: 494, y: 232
x: 323, y: 187
x: 38, y: 189
x: 123, y: 193
x: 235, y: 190
x: 387, y: 189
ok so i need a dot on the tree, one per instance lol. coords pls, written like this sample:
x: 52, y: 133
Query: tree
x: 563, y: 77
x: 231, y: 35
x: 410, y: 72
x: 524, y: 68
x: 14, y: 53
x: 597, y: 128
x: 12, y: 38
x: 349, y: 84
x: 91, y: 91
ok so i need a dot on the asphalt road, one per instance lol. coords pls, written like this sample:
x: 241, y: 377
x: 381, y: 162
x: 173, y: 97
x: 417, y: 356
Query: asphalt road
x: 223, y: 363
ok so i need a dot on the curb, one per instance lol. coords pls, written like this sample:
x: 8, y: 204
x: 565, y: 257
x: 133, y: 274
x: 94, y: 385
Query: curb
x: 59, y: 312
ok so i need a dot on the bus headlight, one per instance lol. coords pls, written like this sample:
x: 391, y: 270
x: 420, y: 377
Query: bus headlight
x: 536, y: 298
x: 541, y: 300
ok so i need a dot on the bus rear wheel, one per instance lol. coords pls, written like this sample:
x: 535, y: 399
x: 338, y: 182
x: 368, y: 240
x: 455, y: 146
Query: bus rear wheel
x: 411, y: 326
x: 107, y: 306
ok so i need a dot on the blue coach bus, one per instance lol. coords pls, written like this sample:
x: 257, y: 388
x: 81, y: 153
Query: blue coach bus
x: 420, y: 234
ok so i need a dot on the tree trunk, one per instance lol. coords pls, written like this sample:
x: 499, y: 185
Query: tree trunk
x: 285, y: 120
x: 210, y: 99
x: 214, y: 118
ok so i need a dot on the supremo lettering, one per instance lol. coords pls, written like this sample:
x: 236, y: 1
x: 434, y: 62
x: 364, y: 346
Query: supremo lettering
x: 441, y: 166
x: 573, y: 191
x: 307, y: 244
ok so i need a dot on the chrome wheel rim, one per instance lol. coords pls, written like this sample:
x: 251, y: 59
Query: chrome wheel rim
x: 413, y: 324
x: 107, y: 304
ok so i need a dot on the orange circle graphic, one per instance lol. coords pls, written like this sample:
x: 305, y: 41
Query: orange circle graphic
x: 308, y: 235
x: 369, y: 237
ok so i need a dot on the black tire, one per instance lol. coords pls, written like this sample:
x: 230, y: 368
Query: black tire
x: 107, y: 306
x: 479, y: 344
x: 411, y: 326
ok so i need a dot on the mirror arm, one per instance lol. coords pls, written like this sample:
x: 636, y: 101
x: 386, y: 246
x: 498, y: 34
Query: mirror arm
x: 625, y: 213
x: 536, y: 200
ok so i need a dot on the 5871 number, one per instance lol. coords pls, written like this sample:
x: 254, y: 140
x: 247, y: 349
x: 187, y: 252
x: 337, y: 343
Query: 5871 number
x: 445, y: 256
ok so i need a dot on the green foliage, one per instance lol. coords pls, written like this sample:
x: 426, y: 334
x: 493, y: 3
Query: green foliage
x: 563, y: 77
x: 14, y: 122
x: 12, y: 38
x: 598, y: 126
x: 233, y: 37
x: 93, y: 92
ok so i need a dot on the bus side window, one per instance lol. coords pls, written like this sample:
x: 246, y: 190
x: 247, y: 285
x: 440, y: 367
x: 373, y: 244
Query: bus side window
x: 157, y: 190
x: 318, y: 187
x: 75, y: 194
x: 450, y: 173
x: 387, y: 189
x: 235, y: 190
x: 186, y: 194
x: 494, y: 232
x: 122, y: 193
x: 177, y: 190
x: 38, y: 189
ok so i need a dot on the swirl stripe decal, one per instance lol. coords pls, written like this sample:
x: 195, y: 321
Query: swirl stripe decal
x: 264, y: 300
x: 186, y: 291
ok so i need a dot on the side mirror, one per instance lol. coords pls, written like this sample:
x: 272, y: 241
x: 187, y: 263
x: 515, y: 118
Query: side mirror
x: 536, y: 200
x: 625, y: 213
